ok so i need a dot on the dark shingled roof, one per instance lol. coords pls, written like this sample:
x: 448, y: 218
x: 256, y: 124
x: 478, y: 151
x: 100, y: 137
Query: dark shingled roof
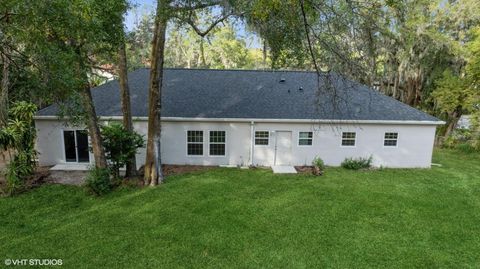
x: 200, y: 93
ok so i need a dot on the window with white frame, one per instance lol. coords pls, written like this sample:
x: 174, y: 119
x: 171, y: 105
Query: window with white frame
x: 195, y: 143
x: 390, y: 139
x: 261, y: 138
x: 348, y: 139
x: 305, y: 138
x: 217, y: 143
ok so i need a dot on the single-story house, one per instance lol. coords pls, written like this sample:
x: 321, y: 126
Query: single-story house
x: 252, y: 117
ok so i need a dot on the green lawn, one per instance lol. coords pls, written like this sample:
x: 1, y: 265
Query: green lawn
x: 227, y: 218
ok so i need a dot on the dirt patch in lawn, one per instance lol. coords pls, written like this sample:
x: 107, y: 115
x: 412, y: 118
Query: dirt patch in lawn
x: 173, y: 169
x: 304, y: 169
x: 76, y: 178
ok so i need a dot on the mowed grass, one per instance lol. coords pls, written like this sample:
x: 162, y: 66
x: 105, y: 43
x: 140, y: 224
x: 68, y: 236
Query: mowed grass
x: 231, y: 218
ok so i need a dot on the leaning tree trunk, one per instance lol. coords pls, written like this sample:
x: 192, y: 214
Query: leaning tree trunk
x: 93, y: 129
x: 90, y: 114
x: 452, y: 122
x: 264, y: 54
x: 126, y: 107
x: 4, y: 90
x: 153, y: 167
x: 202, y: 52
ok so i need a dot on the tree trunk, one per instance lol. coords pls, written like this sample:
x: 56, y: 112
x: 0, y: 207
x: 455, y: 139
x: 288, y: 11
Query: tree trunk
x: 202, y: 53
x: 126, y: 107
x: 453, y: 119
x: 153, y: 168
x: 264, y: 54
x: 93, y: 130
x: 4, y: 90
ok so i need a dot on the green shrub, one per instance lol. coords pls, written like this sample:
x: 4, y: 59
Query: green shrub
x: 17, y: 172
x: 14, y: 182
x: 18, y: 139
x: 466, y: 148
x: 357, y: 163
x: 120, y: 146
x: 318, y: 162
x: 464, y: 140
x: 449, y: 142
x: 98, y: 181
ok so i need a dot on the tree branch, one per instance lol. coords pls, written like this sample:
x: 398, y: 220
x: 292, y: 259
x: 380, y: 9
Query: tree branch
x: 195, y: 7
x: 215, y: 23
x: 6, y: 16
x: 307, y: 33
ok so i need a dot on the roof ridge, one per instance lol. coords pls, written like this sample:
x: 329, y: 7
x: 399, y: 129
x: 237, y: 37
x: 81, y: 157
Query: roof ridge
x: 233, y: 70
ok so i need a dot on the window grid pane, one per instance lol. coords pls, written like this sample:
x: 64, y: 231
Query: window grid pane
x: 195, y: 142
x: 348, y: 138
x: 390, y: 139
x: 217, y: 149
x: 391, y: 135
x: 305, y: 142
x: 217, y: 143
x: 261, y: 138
x: 195, y: 149
x: 305, y: 138
x: 390, y: 143
x: 348, y: 135
x: 195, y: 136
x: 217, y: 136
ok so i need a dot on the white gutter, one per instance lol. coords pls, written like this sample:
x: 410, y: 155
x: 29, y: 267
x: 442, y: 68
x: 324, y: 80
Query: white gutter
x: 252, y: 141
x: 246, y: 120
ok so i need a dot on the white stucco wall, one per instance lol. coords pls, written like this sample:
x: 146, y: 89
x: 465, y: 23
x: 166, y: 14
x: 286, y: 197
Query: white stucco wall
x: 415, y: 143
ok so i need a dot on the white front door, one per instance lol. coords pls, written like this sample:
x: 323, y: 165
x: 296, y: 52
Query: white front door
x: 283, y: 148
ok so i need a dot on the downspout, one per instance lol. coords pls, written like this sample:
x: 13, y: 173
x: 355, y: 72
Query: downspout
x: 252, y: 141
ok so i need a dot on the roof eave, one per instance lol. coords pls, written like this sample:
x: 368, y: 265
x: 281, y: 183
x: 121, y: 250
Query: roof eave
x: 201, y: 119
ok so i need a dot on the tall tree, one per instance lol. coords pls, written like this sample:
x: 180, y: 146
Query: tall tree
x: 65, y: 39
x: 166, y: 10
x: 458, y: 93
x: 122, y: 70
x: 220, y: 49
x: 5, y: 55
x: 126, y: 106
x: 453, y: 98
x: 4, y: 87
x: 153, y: 162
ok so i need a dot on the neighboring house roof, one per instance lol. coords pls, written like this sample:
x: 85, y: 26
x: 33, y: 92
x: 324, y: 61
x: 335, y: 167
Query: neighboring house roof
x: 252, y: 94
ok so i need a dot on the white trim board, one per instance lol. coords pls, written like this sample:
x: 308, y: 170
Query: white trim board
x: 249, y: 120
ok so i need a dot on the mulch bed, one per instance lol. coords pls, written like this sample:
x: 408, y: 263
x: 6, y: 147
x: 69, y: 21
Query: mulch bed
x: 40, y: 177
x: 310, y: 170
x: 36, y: 180
x: 304, y: 169
x: 169, y: 169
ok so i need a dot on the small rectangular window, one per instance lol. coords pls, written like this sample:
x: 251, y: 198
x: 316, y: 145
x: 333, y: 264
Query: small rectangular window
x: 305, y: 138
x: 261, y: 138
x: 390, y: 139
x: 195, y: 143
x: 217, y: 143
x: 348, y: 139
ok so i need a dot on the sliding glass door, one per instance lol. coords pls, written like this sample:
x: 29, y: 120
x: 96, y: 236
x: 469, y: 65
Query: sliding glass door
x: 76, y: 146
